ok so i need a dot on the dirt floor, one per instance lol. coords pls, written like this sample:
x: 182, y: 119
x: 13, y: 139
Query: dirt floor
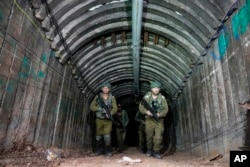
x: 31, y: 157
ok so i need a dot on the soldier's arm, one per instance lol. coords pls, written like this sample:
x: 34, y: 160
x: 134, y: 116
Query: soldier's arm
x: 94, y: 105
x: 164, y: 112
x: 142, y: 109
x: 245, y: 105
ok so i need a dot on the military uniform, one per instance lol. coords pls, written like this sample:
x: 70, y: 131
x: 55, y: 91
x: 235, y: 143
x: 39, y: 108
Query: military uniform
x: 121, y: 120
x: 154, y: 129
x: 103, y: 124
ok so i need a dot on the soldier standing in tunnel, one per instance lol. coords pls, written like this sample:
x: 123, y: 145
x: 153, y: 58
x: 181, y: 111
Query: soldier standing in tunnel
x: 104, y: 105
x: 154, y: 106
x: 121, y: 121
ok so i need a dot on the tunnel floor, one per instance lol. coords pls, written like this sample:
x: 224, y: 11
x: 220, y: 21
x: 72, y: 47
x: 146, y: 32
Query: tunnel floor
x: 69, y: 158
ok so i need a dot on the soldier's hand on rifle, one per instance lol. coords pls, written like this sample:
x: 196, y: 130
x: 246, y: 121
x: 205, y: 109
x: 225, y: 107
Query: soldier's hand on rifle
x: 149, y: 113
x: 105, y: 113
x: 245, y: 105
x: 158, y: 115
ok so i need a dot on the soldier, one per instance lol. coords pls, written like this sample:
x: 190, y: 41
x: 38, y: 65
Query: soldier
x: 121, y: 121
x: 140, y: 118
x: 104, y: 105
x: 154, y: 106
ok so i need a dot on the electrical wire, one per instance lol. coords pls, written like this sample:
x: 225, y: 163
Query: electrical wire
x: 30, y: 19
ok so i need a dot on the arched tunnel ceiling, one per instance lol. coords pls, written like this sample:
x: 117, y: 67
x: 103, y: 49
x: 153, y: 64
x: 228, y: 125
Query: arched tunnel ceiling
x: 95, y: 37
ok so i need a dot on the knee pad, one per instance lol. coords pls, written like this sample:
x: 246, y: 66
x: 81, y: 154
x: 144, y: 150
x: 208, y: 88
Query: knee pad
x: 98, y: 138
x: 107, y: 139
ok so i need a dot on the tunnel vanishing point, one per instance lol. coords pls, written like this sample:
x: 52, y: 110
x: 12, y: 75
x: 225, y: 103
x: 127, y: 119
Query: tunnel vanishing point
x: 54, y: 55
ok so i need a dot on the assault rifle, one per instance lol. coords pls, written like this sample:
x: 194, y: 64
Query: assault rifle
x: 107, y: 108
x: 149, y: 108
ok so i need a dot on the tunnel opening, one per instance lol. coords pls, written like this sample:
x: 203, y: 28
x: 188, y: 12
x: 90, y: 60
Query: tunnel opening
x: 131, y: 106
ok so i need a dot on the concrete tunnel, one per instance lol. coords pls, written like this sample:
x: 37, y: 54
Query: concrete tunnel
x: 54, y: 55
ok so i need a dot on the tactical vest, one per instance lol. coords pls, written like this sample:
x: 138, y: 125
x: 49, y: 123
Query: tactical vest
x: 159, y: 105
x: 108, y: 102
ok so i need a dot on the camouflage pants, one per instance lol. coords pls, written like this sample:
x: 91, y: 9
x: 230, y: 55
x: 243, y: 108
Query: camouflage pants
x: 120, y: 138
x: 154, y: 134
x: 103, y: 129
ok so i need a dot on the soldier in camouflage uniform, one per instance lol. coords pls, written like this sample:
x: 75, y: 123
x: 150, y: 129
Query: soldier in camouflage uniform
x: 103, y: 122
x: 154, y: 129
x: 121, y: 121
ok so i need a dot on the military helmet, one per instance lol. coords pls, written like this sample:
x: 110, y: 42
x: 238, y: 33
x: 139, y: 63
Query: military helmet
x: 106, y: 84
x: 155, y: 84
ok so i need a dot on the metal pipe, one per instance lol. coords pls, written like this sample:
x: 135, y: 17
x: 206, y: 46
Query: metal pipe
x: 137, y: 9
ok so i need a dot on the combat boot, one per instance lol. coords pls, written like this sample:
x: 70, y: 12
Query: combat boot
x: 108, y: 151
x: 98, y: 152
x: 157, y: 155
x: 149, y: 153
x: 99, y: 148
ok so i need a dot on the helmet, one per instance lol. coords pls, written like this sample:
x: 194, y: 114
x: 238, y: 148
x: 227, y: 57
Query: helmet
x: 155, y: 84
x: 106, y: 84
